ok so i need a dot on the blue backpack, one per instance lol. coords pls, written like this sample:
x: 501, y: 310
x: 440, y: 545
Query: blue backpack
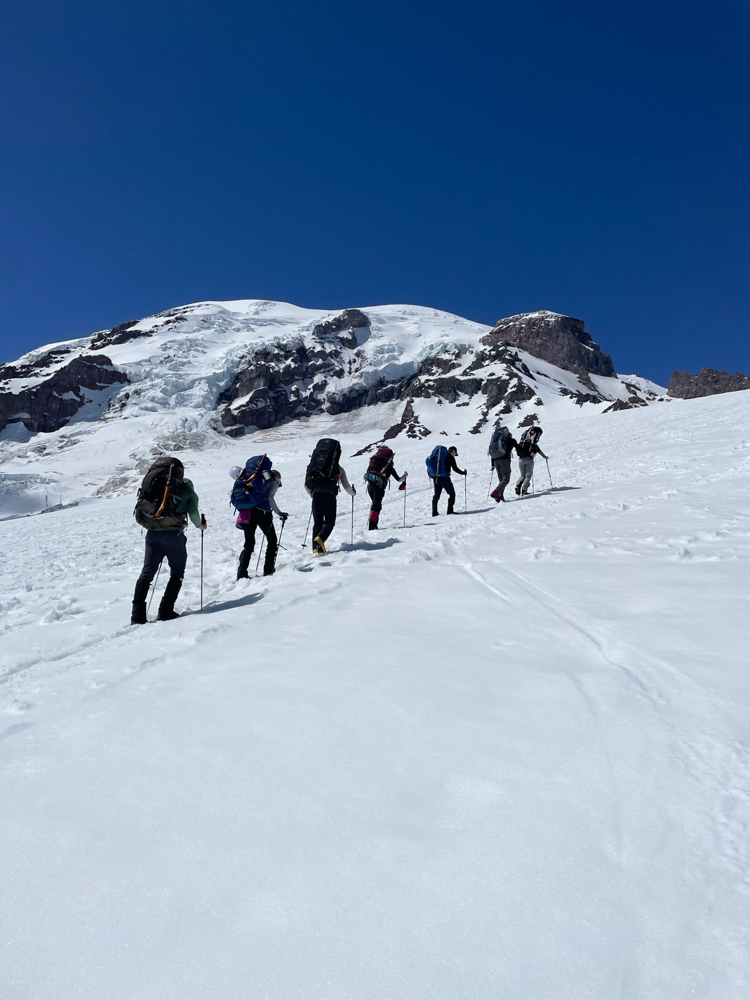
x: 436, y: 462
x: 249, y: 487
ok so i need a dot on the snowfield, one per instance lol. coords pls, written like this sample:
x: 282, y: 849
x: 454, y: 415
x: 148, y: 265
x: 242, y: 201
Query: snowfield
x: 500, y: 755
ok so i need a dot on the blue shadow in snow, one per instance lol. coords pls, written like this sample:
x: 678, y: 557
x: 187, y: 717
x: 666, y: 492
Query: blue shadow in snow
x: 241, y: 602
x: 369, y: 546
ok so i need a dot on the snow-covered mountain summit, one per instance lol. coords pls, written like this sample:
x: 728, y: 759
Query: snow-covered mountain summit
x: 199, y: 374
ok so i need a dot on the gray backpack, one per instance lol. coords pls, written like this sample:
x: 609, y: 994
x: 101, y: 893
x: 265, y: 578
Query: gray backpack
x: 499, y: 444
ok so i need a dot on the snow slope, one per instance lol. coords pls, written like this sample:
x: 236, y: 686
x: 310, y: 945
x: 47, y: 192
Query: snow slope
x: 505, y: 754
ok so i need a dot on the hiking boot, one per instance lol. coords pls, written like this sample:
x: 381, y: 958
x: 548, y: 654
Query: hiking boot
x: 242, y: 574
x: 318, y: 547
x: 138, y: 615
x: 372, y: 526
x: 524, y: 493
x: 518, y: 491
x: 167, y: 612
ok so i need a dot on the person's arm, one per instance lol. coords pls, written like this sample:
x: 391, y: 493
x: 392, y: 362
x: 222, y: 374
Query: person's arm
x: 540, y: 452
x: 190, y: 503
x: 345, y: 482
x: 270, y: 495
x: 392, y: 472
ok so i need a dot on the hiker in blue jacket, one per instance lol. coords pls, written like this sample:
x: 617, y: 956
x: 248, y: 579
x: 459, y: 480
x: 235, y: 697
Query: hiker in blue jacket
x: 260, y: 516
x: 442, y: 480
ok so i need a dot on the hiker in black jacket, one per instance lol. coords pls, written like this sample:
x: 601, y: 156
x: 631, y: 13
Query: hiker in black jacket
x: 526, y: 449
x: 444, y: 482
x: 165, y: 516
x: 378, y: 473
x: 323, y: 477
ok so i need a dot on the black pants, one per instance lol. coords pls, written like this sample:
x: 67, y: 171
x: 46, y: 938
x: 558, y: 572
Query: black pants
x: 443, y: 483
x: 376, y: 494
x: 324, y: 514
x: 262, y: 519
x: 169, y: 545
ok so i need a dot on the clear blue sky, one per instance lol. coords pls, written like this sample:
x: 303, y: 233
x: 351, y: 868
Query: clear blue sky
x: 486, y: 158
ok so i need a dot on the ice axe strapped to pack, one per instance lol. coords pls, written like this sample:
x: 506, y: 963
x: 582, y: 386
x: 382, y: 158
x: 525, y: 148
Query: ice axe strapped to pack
x: 159, y: 495
x: 249, y: 486
x: 436, y: 460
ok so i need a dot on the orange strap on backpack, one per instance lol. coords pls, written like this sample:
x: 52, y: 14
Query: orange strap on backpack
x: 166, y: 493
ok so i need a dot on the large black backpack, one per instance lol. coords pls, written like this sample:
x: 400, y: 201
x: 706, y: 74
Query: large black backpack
x: 530, y: 438
x: 160, y: 494
x: 322, y: 474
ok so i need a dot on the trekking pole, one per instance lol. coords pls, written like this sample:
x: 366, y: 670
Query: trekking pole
x: 404, y: 503
x: 549, y: 474
x: 352, y: 541
x: 153, y: 587
x: 489, y: 484
x: 307, y: 529
x: 203, y: 521
x: 260, y: 553
x: 465, y: 502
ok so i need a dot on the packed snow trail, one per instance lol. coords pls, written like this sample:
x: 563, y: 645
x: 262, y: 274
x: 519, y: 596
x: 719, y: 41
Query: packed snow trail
x: 500, y: 754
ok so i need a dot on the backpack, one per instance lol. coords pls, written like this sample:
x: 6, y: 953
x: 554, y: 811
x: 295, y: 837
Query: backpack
x: 159, y: 496
x: 530, y: 438
x: 249, y: 487
x: 499, y: 444
x: 436, y: 461
x: 322, y: 474
x: 379, y: 463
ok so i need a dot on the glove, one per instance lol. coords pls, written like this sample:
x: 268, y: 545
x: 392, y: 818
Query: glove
x: 353, y: 493
x: 403, y: 485
x: 283, y: 516
x: 203, y: 522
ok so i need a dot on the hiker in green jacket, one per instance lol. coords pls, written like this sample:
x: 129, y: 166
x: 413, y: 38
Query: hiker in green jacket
x: 165, y: 501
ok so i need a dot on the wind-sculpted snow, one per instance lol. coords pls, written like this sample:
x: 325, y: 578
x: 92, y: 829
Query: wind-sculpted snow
x: 502, y: 754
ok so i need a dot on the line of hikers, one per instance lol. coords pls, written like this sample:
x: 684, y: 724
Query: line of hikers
x: 166, y: 499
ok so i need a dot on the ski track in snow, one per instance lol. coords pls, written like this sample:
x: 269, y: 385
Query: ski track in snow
x: 501, y: 754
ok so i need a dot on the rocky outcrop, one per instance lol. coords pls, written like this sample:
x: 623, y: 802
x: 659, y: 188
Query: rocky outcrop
x: 561, y: 340
x: 708, y: 382
x: 47, y: 403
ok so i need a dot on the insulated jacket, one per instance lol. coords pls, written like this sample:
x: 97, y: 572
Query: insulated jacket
x: 528, y: 450
x: 450, y: 465
x: 188, y: 505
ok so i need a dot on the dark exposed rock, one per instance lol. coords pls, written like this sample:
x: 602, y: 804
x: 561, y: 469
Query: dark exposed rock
x: 708, y: 382
x: 409, y: 423
x: 50, y: 404
x: 117, y: 335
x: 349, y: 320
x: 561, y: 340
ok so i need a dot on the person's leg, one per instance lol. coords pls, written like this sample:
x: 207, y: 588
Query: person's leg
x: 376, y: 496
x: 527, y: 466
x: 265, y: 520
x: 502, y: 467
x: 175, y: 549
x: 451, y: 491
x: 248, y: 531
x: 519, y: 481
x: 436, y: 493
x: 329, y: 515
x: 318, y: 507
x: 153, y: 556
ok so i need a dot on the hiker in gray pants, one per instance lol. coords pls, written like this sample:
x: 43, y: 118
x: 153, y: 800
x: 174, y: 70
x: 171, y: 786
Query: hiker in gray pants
x: 526, y: 448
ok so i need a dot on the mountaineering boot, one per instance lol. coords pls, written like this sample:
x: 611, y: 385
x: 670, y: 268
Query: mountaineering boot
x: 518, y: 491
x: 243, y: 564
x: 242, y: 574
x: 167, y: 612
x: 524, y: 493
x: 497, y: 496
x: 318, y: 547
x: 138, y: 615
x: 373, y: 524
x: 450, y: 508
